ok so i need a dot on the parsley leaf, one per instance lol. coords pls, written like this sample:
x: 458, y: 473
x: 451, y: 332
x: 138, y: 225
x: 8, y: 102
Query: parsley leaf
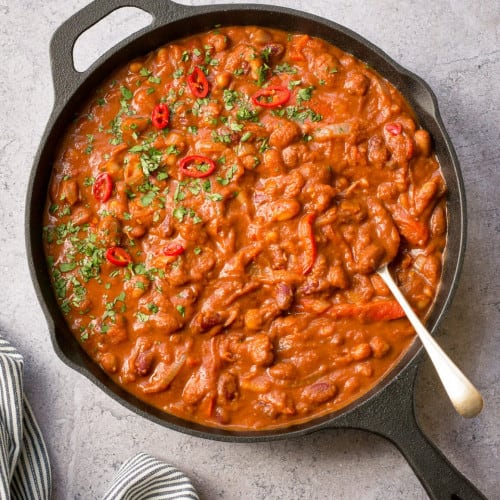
x: 126, y: 93
x: 285, y: 68
x: 304, y: 94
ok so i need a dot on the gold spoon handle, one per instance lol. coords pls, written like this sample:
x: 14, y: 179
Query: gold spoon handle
x: 464, y: 396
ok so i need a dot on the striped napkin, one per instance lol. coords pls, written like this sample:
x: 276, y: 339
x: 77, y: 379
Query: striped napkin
x: 24, y: 461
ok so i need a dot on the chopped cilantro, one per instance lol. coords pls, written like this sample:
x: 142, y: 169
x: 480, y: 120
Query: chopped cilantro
x: 196, y: 109
x: 90, y: 144
x: 179, y: 213
x: 229, y: 175
x: 178, y: 73
x: 244, y: 113
x: 246, y: 136
x: 142, y: 317
x: 285, y: 68
x: 215, y: 196
x: 218, y: 137
x: 262, y: 74
x: 126, y: 93
x: 229, y: 97
x: 264, y: 146
x: 304, y: 94
x: 148, y: 198
x: 266, y: 53
x: 153, y: 307
x: 154, y: 79
x: 67, y: 266
x: 179, y: 195
x: 172, y: 150
x: 181, y: 310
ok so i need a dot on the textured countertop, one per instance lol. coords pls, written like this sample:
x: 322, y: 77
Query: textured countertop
x: 454, y: 45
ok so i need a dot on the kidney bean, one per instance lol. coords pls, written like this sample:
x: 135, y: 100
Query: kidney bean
x: 144, y: 362
x: 320, y: 392
x: 284, y: 296
x: 227, y: 388
x: 361, y: 351
x: 379, y: 347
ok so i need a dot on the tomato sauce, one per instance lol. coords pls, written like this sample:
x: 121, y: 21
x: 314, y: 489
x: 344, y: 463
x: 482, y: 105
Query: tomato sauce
x: 215, y: 218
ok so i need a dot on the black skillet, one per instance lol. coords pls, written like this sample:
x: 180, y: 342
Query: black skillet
x: 388, y: 409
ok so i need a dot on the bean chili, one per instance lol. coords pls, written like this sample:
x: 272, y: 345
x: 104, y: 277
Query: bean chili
x: 215, y: 218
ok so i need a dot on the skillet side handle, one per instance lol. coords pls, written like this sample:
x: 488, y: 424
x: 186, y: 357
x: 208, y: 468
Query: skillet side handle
x: 65, y: 77
x: 392, y: 415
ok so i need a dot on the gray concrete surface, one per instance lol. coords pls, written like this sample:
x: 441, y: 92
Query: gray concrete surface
x: 454, y: 45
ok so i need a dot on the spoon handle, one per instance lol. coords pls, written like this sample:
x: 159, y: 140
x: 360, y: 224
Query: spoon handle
x: 464, y: 396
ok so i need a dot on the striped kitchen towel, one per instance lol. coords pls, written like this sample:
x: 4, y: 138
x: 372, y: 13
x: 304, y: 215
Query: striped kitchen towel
x: 145, y: 478
x: 24, y: 461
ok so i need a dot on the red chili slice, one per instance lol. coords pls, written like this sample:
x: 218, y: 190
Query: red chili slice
x: 118, y: 256
x: 271, y: 97
x: 160, y: 116
x: 173, y: 248
x: 198, y: 83
x: 394, y: 128
x: 306, y: 233
x: 196, y: 166
x: 103, y: 187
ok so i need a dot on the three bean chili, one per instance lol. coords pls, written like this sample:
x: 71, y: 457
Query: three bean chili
x: 215, y: 218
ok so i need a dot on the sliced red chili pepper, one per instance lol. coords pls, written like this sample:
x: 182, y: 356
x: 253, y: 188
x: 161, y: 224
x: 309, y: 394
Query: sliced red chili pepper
x: 103, y: 187
x: 196, y: 166
x: 394, y: 128
x: 198, y: 83
x: 173, y: 248
x: 306, y: 233
x: 271, y: 97
x: 160, y: 116
x: 118, y: 256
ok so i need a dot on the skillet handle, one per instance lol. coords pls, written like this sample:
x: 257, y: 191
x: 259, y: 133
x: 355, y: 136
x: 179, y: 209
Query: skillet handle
x: 392, y: 415
x: 66, y: 78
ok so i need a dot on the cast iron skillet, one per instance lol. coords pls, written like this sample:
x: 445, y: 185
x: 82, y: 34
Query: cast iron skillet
x: 388, y: 409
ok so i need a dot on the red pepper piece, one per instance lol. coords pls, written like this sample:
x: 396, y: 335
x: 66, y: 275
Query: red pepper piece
x: 118, y: 256
x: 198, y: 83
x: 103, y: 187
x: 196, y: 166
x: 394, y: 128
x: 381, y: 310
x: 271, y: 97
x: 415, y: 231
x: 160, y: 116
x: 173, y: 248
x: 306, y: 233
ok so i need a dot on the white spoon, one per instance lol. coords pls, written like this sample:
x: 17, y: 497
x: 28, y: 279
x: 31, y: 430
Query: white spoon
x: 464, y: 396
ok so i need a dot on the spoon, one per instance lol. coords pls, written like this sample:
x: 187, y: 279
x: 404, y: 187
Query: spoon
x: 464, y: 396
